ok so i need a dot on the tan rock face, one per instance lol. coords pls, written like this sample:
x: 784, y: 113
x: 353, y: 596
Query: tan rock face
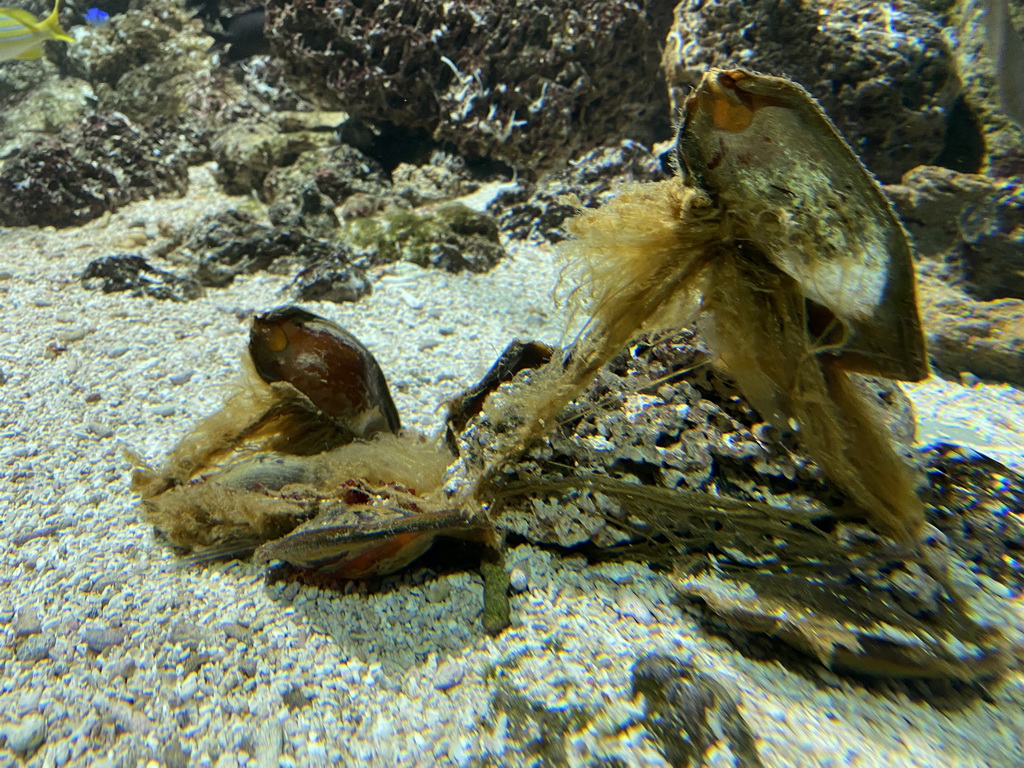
x: 968, y: 237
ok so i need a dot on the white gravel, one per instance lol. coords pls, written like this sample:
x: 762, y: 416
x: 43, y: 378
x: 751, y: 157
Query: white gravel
x: 111, y: 655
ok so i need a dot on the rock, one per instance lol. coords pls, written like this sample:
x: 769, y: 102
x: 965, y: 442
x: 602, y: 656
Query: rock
x: 46, y: 109
x: 27, y: 622
x: 98, y: 639
x: 224, y: 245
x: 143, y: 51
x: 997, y: 142
x: 99, y: 165
x: 526, y: 82
x: 970, y: 227
x: 326, y: 282
x: 177, y: 379
x: 448, y: 675
x: 985, y: 338
x: 35, y: 648
x: 307, y: 210
x: 593, y: 178
x: 886, y: 79
x: 442, y: 179
x: 25, y: 737
x: 236, y: 631
x: 968, y: 233
x: 630, y: 604
x: 247, y: 150
x: 518, y: 579
x: 131, y: 272
x: 338, y: 172
x: 450, y: 237
x: 122, y: 668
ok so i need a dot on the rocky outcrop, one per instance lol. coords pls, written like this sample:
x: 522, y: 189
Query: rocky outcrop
x: 968, y: 234
x: 885, y: 76
x: 101, y: 164
x: 527, y: 82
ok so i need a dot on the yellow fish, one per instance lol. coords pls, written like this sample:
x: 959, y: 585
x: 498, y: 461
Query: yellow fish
x: 22, y: 35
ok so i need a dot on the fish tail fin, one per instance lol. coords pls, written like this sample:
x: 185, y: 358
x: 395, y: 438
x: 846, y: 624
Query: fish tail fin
x: 52, y: 25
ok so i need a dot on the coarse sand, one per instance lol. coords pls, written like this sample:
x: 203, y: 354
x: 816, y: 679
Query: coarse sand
x: 112, y: 655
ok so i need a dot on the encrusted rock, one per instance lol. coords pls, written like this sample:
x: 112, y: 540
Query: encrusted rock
x: 46, y: 109
x: 101, y: 164
x: 332, y: 282
x: 338, y: 172
x: 970, y: 227
x: 588, y: 181
x: 884, y: 76
x: 452, y: 237
x: 444, y: 178
x: 1001, y: 141
x: 246, y: 151
x: 158, y: 49
x: 305, y: 209
x: 131, y: 272
x: 529, y: 82
x: 222, y: 246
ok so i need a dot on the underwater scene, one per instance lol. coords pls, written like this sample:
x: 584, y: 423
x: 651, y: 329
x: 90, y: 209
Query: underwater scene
x: 513, y: 383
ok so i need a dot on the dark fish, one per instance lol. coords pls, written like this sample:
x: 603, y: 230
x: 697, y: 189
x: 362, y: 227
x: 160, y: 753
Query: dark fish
x: 205, y: 9
x: 1007, y: 51
x: 242, y: 36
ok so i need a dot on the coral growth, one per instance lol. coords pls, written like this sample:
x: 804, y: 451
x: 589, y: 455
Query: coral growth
x: 97, y: 166
x: 529, y: 82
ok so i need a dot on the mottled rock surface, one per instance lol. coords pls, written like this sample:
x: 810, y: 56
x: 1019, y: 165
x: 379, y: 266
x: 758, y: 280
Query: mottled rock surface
x: 540, y: 211
x: 97, y: 166
x: 970, y: 227
x: 1002, y: 140
x: 968, y: 234
x: 133, y: 273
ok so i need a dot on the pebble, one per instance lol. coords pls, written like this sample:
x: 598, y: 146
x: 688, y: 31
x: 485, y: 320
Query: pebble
x: 236, y: 631
x: 73, y: 334
x: 27, y: 622
x: 123, y: 668
x: 35, y: 648
x: 99, y: 429
x: 26, y: 737
x: 629, y: 604
x: 119, y: 351
x: 449, y: 675
x: 98, y: 639
x: 518, y: 579
x: 180, y: 378
x: 438, y: 591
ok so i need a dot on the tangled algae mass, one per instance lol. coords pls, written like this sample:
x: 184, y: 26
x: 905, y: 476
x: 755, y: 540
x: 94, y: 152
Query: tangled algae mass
x: 759, y: 459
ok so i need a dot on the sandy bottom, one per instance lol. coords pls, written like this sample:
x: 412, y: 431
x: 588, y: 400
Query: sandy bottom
x: 112, y: 655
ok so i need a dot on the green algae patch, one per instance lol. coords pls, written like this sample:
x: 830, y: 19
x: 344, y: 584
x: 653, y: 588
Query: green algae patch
x: 452, y: 237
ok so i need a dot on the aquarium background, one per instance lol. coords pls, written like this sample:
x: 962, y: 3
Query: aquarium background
x: 408, y: 169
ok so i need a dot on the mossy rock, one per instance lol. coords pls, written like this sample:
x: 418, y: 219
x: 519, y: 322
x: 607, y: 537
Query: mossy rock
x: 452, y: 237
